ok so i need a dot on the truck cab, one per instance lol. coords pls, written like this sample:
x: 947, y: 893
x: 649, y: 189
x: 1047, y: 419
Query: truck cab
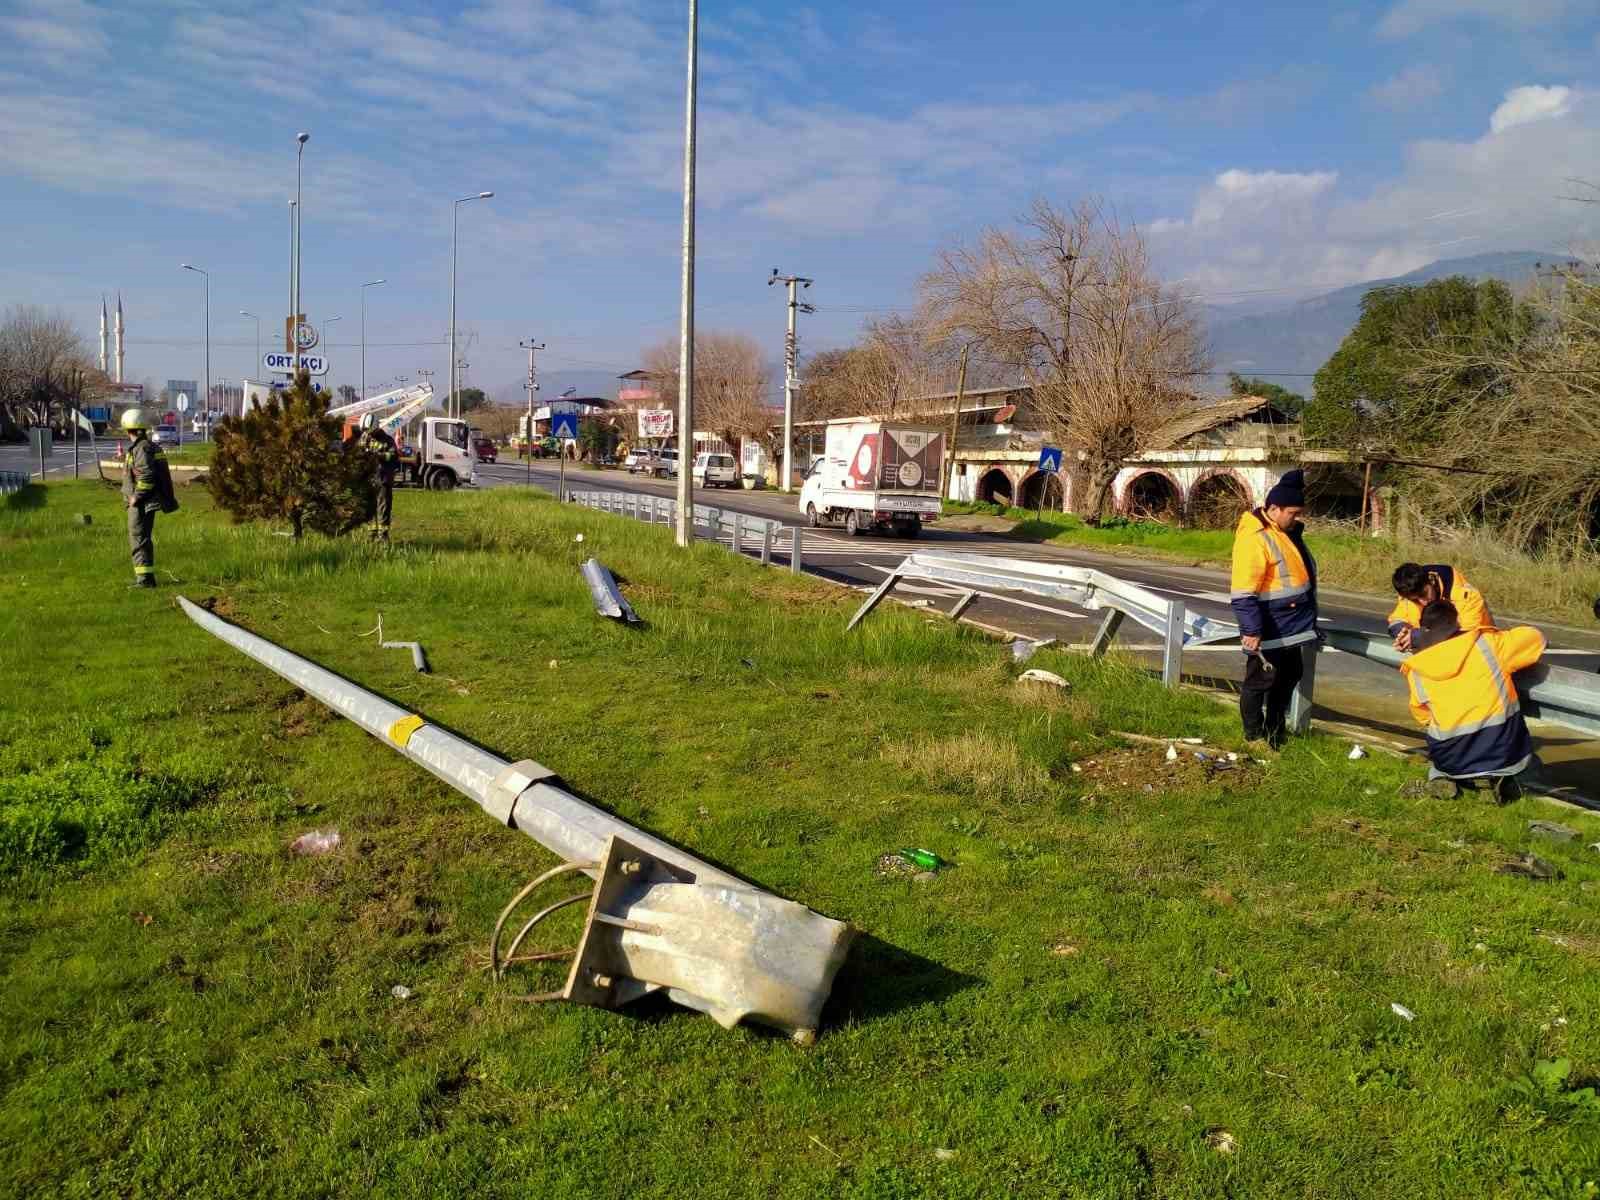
x: 442, y: 456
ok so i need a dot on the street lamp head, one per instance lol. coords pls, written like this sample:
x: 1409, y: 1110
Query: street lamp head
x: 302, y: 138
x: 485, y: 195
x: 242, y: 313
x: 374, y: 282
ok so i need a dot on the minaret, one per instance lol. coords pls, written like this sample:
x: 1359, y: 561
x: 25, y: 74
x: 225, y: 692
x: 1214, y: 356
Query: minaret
x: 119, y: 337
x: 104, y: 346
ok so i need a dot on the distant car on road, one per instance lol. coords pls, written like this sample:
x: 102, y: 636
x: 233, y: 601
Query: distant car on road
x: 636, y: 460
x: 663, y: 464
x: 715, y: 470
x: 484, y: 449
x: 165, y: 435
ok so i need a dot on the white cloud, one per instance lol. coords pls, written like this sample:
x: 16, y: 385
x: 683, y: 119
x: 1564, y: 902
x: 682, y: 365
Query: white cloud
x: 61, y: 32
x: 1524, y: 105
x: 1408, y: 17
x: 1415, y: 85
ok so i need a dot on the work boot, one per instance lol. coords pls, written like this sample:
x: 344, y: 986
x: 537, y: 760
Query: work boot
x: 144, y: 581
x: 1507, y: 789
x: 1443, y: 789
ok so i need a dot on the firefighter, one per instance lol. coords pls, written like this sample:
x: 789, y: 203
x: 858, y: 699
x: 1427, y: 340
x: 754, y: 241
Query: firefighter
x: 1274, y: 597
x: 147, y: 488
x: 1462, y: 693
x: 382, y: 446
x: 1418, y: 586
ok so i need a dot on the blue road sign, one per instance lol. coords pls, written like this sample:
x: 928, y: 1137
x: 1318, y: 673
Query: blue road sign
x: 564, y: 425
x: 1050, y: 459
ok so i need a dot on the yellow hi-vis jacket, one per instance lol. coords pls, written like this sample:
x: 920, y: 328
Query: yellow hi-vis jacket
x: 1462, y: 692
x: 1472, y: 610
x: 1274, y: 590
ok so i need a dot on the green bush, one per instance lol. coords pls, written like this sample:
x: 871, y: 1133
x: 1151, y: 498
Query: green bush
x: 93, y: 811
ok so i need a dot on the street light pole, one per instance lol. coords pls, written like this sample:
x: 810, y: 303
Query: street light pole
x: 455, y: 210
x: 302, y: 139
x: 206, y: 405
x: 685, y: 530
x: 533, y: 386
x: 257, y: 320
x: 364, y: 287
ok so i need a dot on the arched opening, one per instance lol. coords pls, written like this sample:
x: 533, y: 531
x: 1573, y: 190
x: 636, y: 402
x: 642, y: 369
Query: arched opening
x: 1151, y: 497
x: 1216, y: 502
x: 994, y: 487
x: 1045, y: 485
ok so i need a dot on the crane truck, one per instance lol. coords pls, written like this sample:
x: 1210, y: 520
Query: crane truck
x: 435, y: 452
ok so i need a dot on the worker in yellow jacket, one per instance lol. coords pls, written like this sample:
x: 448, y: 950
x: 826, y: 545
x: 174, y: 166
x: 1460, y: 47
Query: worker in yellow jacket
x: 1274, y: 599
x: 1463, y: 695
x: 1418, y: 586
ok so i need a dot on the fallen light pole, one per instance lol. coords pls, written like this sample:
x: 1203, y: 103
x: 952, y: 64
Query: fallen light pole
x: 659, y: 919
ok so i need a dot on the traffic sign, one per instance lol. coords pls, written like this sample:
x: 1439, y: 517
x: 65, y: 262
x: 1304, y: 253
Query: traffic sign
x: 288, y: 364
x: 564, y: 425
x: 183, y: 401
x: 1050, y: 459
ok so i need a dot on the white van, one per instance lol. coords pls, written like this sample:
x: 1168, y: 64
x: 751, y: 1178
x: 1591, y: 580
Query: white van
x: 715, y: 470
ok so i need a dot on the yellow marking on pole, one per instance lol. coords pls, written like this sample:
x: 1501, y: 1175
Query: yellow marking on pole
x: 400, y: 732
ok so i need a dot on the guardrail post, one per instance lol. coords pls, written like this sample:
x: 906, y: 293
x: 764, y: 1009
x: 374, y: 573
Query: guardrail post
x: 738, y: 528
x: 1109, y: 624
x: 766, y: 545
x: 1172, y: 651
x: 1299, y: 717
x: 796, y: 563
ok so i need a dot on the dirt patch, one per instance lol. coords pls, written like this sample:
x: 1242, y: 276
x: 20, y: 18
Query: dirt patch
x: 1146, y: 768
x: 299, y: 715
x: 220, y: 606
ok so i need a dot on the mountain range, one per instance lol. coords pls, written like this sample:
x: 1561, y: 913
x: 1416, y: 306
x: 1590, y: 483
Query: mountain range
x: 1287, y: 344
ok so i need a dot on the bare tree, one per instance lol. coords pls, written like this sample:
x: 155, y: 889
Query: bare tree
x: 731, y: 381
x: 897, y: 361
x: 1072, y: 298
x: 39, y: 353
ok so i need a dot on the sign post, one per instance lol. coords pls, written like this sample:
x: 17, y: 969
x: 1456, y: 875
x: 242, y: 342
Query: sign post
x: 183, y: 407
x: 1049, y: 464
x: 563, y: 425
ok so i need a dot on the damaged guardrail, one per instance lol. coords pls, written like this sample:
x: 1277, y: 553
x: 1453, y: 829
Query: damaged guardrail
x: 745, y: 533
x: 1082, y: 587
x: 608, y: 598
x: 659, y: 918
x: 1545, y: 692
x: 13, y: 481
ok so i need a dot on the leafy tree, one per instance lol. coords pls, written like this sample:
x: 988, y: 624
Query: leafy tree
x: 1287, y: 402
x: 596, y: 438
x: 1370, y: 394
x: 286, y: 461
x: 471, y: 399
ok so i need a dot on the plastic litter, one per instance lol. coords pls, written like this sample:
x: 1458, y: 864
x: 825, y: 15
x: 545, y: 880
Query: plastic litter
x: 1232, y: 757
x: 578, y: 538
x: 1357, y: 752
x: 1035, y: 675
x: 1022, y: 649
x: 315, y: 842
x: 945, y: 1155
x: 400, y: 992
x: 1221, y: 1140
x: 1172, y: 754
x: 1401, y: 1011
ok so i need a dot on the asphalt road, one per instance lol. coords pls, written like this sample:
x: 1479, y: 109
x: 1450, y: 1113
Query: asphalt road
x: 1351, y: 690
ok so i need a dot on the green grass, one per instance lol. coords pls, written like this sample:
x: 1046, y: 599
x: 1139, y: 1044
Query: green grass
x: 1122, y: 960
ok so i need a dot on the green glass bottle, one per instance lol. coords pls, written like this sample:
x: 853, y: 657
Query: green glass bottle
x: 926, y: 859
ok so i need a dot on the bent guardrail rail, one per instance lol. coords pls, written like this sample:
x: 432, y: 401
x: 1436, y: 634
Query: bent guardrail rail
x: 1082, y: 587
x: 660, y: 919
x: 607, y: 596
x: 13, y: 481
x: 663, y: 510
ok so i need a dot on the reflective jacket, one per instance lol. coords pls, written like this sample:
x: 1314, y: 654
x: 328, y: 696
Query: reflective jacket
x: 383, y: 449
x: 1274, y: 591
x: 146, y: 477
x: 1472, y: 611
x: 1462, y: 692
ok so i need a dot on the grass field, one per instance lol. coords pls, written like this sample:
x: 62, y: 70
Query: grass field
x: 1551, y: 588
x: 1137, y: 979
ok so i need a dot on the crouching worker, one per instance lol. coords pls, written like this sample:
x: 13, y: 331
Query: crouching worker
x: 1463, y: 694
x: 1418, y: 586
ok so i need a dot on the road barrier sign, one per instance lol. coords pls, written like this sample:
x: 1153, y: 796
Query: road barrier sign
x: 288, y: 364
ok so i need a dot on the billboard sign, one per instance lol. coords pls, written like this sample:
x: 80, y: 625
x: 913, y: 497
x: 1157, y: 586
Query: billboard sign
x: 655, y: 422
x: 288, y: 364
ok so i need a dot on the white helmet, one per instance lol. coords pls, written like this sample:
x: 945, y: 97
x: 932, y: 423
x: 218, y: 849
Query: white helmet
x: 135, y: 418
x: 369, y: 420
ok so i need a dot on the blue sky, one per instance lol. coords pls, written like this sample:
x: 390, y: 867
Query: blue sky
x: 1266, y: 150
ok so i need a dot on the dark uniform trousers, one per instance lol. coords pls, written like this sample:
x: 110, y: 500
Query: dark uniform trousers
x: 141, y: 530
x: 1264, y: 695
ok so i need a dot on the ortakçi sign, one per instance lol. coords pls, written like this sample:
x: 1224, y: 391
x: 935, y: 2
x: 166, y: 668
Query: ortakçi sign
x: 288, y: 364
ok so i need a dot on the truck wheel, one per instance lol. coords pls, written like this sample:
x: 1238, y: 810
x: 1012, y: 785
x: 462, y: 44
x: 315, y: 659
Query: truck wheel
x: 852, y: 524
x: 811, y: 515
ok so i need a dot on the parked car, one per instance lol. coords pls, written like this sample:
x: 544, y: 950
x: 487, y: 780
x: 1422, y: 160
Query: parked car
x: 165, y: 435
x: 636, y: 461
x: 715, y: 470
x: 664, y: 464
x: 484, y: 449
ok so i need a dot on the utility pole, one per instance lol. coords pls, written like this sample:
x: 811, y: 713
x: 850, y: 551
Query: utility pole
x: 299, y: 225
x: 685, y: 532
x: 532, y: 348
x: 786, y: 482
x: 955, y: 421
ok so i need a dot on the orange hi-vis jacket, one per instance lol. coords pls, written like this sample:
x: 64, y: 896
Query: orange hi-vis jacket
x: 1274, y: 589
x: 1462, y: 692
x: 1472, y: 611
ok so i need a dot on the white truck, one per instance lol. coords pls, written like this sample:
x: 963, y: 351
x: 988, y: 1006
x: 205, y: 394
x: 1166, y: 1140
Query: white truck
x: 435, y: 452
x: 876, y: 475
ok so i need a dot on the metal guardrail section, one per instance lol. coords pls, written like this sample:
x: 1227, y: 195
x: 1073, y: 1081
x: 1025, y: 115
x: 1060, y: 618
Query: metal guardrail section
x: 1081, y: 587
x: 743, y: 530
x: 13, y: 481
x: 1545, y: 691
x: 660, y: 919
x: 608, y: 598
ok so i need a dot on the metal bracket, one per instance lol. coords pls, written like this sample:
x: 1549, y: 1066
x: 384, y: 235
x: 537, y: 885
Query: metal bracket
x: 501, y: 798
